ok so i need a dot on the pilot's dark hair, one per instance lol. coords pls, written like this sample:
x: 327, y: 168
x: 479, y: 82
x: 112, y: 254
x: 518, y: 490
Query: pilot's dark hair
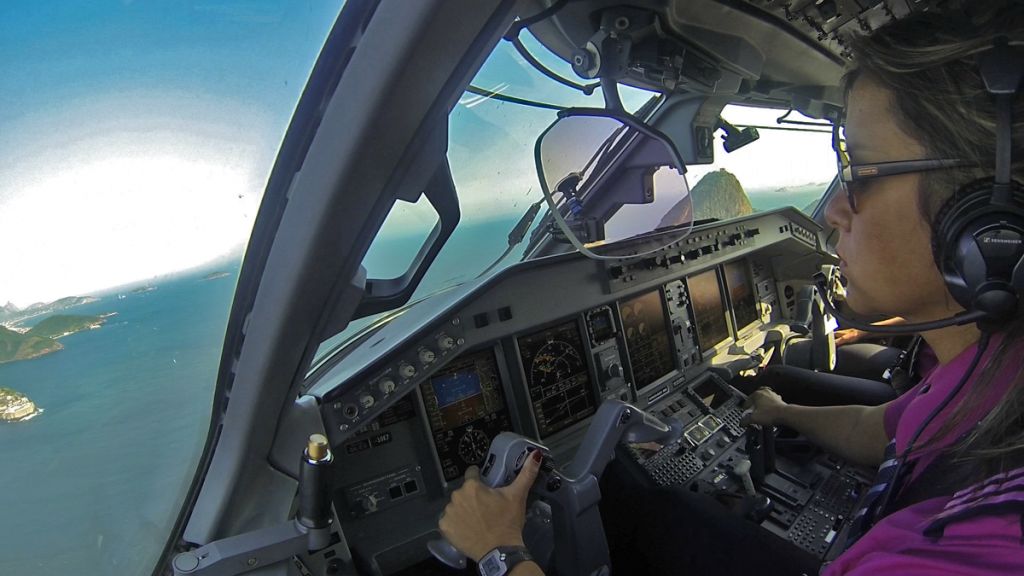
x: 928, y: 64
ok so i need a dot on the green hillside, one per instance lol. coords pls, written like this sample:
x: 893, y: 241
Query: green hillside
x: 17, y: 346
x: 64, y: 324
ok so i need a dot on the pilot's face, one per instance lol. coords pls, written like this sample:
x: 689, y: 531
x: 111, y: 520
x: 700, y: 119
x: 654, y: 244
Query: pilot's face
x: 886, y: 246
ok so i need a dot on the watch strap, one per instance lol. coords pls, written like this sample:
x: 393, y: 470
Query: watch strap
x: 502, y: 560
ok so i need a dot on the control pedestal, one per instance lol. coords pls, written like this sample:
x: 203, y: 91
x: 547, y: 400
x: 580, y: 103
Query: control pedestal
x: 805, y: 498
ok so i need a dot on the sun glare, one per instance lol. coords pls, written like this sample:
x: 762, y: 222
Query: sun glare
x: 121, y: 219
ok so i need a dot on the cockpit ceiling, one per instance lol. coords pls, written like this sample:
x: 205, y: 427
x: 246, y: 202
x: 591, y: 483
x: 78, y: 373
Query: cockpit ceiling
x: 801, y: 45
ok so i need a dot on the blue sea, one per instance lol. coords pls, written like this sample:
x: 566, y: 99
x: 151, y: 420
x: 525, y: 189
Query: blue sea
x: 93, y: 484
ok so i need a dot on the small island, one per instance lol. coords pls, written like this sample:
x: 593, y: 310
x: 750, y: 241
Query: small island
x: 41, y: 339
x: 215, y: 275
x: 144, y: 289
x: 16, y: 407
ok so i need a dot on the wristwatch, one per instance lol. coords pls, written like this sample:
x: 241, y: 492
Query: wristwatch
x: 502, y: 560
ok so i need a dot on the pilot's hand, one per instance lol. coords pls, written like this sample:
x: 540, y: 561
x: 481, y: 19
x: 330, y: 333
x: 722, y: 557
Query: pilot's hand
x: 767, y: 407
x: 849, y: 336
x: 479, y: 518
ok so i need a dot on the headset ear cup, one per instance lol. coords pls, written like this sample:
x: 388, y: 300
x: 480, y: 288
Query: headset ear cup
x: 979, y: 249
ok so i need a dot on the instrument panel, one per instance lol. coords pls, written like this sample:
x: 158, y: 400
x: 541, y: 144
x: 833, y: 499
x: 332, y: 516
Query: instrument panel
x: 539, y: 361
x: 567, y: 368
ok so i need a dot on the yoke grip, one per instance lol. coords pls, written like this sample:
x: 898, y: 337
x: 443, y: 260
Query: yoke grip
x: 506, y: 457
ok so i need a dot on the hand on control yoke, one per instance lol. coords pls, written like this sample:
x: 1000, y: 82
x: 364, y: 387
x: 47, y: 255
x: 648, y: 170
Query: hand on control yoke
x: 767, y: 407
x: 479, y: 519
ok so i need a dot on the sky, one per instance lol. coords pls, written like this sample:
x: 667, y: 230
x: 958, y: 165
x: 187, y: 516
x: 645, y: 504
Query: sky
x: 136, y: 137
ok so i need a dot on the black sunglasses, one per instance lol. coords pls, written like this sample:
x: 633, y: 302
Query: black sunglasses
x: 850, y: 173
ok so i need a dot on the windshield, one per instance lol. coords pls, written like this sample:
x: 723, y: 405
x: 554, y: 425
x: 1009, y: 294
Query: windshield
x: 137, y: 140
x: 789, y: 165
x: 491, y: 154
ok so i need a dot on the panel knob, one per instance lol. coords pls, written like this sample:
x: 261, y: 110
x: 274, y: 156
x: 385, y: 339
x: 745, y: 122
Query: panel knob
x: 386, y: 386
x: 366, y: 401
x: 427, y: 356
x: 406, y: 370
x: 445, y: 342
x: 614, y: 370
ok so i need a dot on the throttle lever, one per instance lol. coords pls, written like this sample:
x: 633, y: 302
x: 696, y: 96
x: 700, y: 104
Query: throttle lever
x: 505, y: 459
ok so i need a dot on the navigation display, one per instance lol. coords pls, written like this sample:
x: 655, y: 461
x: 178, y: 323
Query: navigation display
x: 647, y: 337
x: 466, y: 410
x: 708, y: 309
x: 741, y: 293
x: 561, y: 392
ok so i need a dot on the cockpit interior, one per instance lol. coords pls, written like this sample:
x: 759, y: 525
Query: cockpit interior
x: 664, y: 319
x: 666, y: 334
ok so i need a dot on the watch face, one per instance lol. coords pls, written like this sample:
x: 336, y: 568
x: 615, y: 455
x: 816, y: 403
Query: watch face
x: 490, y: 565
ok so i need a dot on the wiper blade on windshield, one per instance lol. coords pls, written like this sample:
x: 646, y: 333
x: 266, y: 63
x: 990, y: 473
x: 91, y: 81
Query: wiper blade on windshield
x: 511, y: 99
x: 515, y: 237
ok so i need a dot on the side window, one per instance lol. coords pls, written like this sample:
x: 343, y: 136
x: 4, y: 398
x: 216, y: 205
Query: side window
x: 789, y: 165
x: 137, y: 141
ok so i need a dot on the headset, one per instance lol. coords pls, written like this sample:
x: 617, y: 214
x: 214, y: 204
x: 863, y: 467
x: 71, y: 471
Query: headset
x: 978, y: 239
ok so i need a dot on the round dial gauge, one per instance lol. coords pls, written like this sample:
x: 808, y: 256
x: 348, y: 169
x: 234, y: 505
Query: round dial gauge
x: 554, y: 362
x: 473, y: 446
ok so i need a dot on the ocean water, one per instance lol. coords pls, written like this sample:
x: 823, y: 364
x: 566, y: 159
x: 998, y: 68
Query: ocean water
x: 92, y: 485
x: 799, y: 199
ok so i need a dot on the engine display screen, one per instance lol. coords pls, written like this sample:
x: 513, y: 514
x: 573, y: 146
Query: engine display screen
x: 741, y: 293
x: 561, y: 392
x: 466, y: 409
x: 647, y: 337
x: 708, y: 309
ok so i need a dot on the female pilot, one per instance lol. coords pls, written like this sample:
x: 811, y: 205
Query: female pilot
x: 949, y: 496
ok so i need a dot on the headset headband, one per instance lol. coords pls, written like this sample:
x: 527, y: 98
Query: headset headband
x: 1001, y: 69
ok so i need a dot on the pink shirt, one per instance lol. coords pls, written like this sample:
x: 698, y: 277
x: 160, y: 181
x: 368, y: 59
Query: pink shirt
x: 981, y: 545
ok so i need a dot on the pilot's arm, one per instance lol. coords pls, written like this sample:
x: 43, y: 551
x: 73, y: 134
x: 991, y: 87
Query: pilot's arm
x: 853, y: 335
x: 479, y: 518
x: 855, y: 433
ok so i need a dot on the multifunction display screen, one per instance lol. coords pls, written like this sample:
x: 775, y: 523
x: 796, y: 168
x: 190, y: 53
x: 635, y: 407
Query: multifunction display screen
x: 741, y: 293
x: 708, y: 309
x: 561, y: 392
x: 647, y: 337
x: 466, y: 410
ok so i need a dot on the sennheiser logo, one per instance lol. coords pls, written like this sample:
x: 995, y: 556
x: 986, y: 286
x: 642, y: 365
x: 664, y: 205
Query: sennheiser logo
x: 990, y: 240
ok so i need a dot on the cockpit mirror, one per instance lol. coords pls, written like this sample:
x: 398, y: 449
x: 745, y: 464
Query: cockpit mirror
x: 608, y: 177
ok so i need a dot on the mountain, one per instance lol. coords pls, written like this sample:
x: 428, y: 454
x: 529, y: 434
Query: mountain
x: 18, y: 346
x: 10, y: 313
x: 717, y: 195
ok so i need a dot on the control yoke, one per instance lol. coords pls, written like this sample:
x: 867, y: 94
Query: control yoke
x: 573, y: 494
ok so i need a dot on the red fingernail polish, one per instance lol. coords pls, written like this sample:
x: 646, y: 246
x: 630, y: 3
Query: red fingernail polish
x: 537, y: 456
